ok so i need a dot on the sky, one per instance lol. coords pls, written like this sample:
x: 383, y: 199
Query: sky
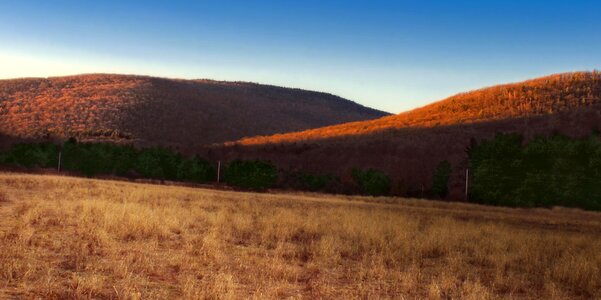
x: 389, y: 55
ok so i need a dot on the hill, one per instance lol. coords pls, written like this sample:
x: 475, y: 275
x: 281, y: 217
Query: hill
x: 149, y: 111
x: 542, y: 96
x: 409, y: 146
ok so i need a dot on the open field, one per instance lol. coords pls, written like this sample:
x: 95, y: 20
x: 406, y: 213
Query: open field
x: 64, y: 237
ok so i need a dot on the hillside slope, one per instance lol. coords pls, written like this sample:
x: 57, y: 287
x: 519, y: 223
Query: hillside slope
x: 409, y: 146
x: 148, y: 111
x: 546, y: 95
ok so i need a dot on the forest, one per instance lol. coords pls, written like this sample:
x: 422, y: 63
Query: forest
x: 92, y: 159
x: 547, y: 171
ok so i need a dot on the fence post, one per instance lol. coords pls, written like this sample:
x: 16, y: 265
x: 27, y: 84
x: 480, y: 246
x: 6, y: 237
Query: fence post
x: 467, y: 181
x: 218, y: 171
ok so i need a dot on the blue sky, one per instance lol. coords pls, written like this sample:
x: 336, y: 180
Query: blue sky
x: 390, y: 55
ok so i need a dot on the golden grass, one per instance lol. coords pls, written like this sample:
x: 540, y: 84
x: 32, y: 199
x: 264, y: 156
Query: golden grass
x: 74, y: 238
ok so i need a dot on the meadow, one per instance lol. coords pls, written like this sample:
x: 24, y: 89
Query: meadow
x: 72, y: 238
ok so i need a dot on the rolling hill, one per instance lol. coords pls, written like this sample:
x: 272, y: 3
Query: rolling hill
x: 409, y: 146
x: 542, y: 96
x: 150, y: 111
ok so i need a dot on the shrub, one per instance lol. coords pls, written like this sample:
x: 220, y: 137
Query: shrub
x: 315, y: 182
x: 196, y: 170
x: 257, y: 174
x: 372, y: 182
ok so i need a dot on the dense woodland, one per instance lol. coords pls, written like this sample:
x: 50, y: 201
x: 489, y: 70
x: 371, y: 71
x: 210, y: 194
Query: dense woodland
x: 546, y: 171
x: 151, y: 111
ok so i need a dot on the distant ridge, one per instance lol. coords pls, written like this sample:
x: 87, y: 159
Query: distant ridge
x: 158, y: 111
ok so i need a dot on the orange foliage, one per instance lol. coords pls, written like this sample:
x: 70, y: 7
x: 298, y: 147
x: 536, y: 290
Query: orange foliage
x: 409, y: 146
x: 150, y: 111
x: 546, y: 95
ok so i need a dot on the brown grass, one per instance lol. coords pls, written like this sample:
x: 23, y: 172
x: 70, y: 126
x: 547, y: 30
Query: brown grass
x: 75, y: 238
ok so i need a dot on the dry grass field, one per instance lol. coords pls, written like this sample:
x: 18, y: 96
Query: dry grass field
x: 69, y: 238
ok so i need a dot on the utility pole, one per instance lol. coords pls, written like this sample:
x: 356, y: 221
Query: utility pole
x: 467, y: 181
x: 218, y: 170
x: 59, y: 160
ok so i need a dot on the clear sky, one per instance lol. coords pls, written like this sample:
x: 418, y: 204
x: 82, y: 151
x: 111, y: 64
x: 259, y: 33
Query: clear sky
x: 390, y: 55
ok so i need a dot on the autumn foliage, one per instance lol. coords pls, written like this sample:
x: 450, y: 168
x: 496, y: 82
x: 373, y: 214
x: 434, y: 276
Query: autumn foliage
x: 151, y: 111
x: 546, y: 95
x: 407, y: 148
x: 410, y: 146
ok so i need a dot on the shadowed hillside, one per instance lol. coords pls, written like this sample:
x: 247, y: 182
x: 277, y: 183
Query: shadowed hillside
x: 408, y: 147
x: 146, y: 110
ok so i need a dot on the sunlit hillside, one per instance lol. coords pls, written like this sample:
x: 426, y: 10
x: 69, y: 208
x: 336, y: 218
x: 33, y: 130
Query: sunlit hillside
x: 542, y: 96
x: 150, y: 111
x: 68, y: 238
x: 409, y: 146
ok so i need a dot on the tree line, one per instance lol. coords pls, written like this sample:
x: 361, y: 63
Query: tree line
x: 93, y: 159
x: 546, y: 171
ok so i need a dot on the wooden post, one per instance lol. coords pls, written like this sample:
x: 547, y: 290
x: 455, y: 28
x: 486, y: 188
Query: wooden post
x: 467, y: 181
x: 59, y: 160
x: 218, y: 171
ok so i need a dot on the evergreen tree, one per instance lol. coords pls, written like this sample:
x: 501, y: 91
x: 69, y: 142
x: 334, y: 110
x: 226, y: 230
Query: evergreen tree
x: 440, y: 181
